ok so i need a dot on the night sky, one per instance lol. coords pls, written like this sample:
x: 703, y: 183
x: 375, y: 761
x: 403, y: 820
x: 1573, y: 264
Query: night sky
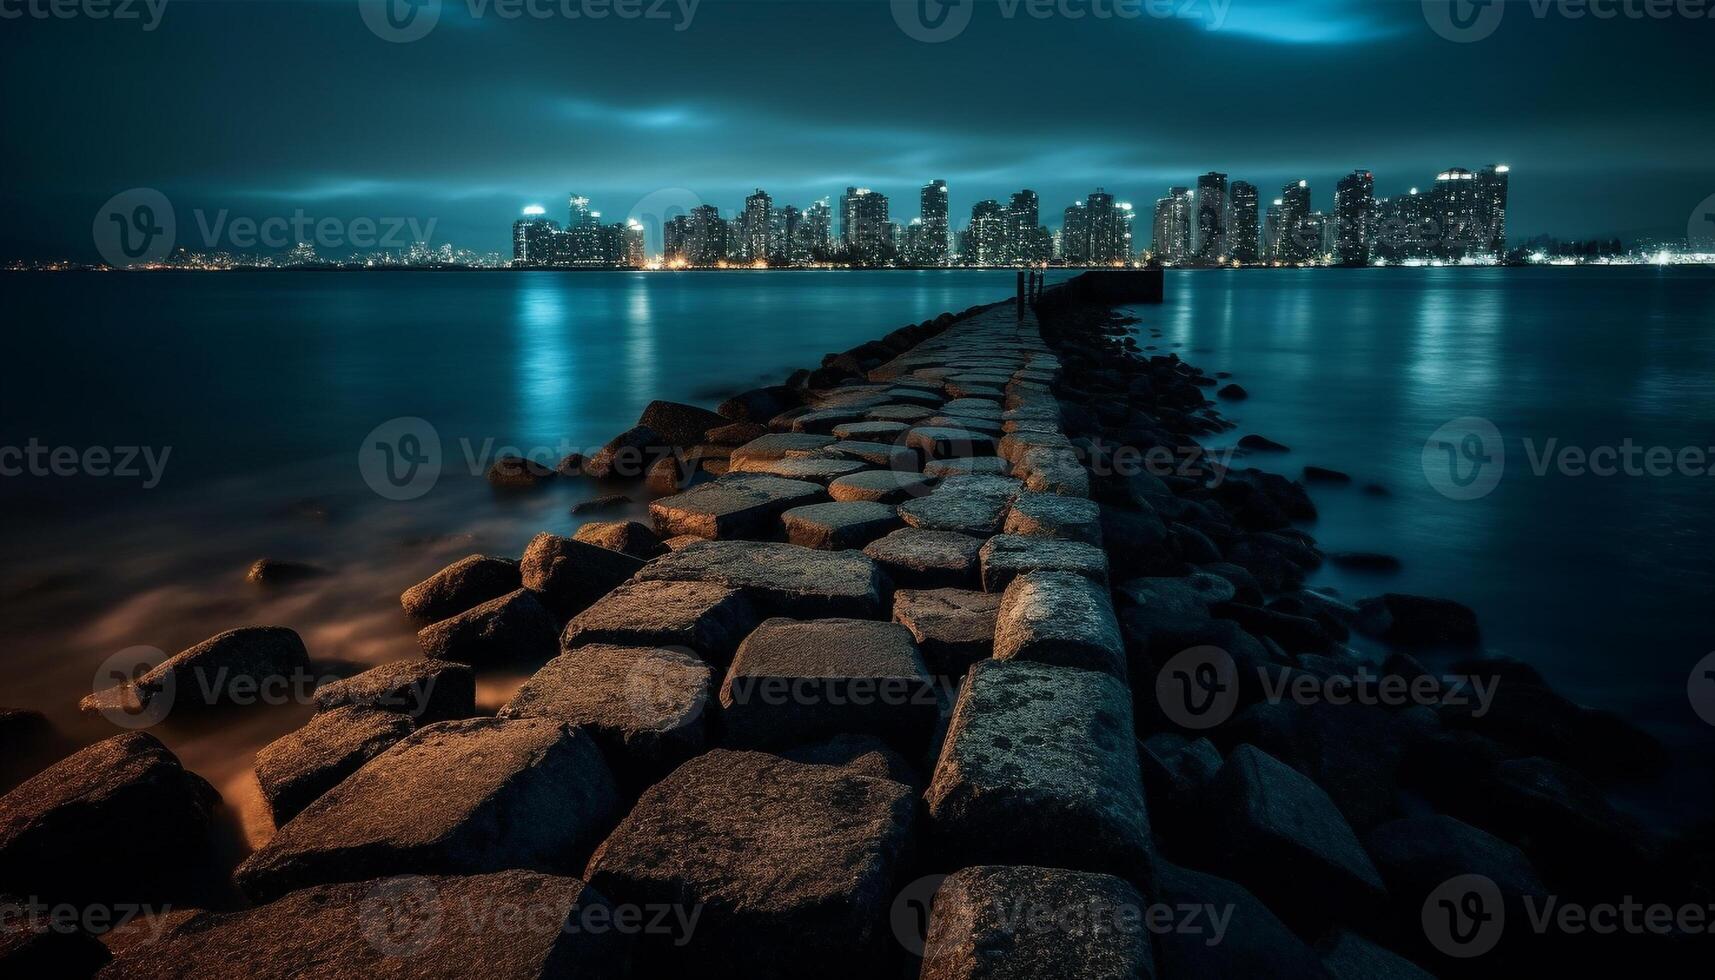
x: 262, y: 109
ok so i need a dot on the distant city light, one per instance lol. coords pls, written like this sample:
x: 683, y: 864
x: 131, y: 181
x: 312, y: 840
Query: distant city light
x: 534, y: 210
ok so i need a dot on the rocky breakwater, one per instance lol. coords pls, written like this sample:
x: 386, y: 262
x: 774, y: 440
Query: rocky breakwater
x: 891, y: 685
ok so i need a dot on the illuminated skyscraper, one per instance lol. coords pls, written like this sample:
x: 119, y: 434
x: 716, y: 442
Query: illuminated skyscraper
x: 932, y: 241
x: 533, y: 237
x: 986, y: 241
x: 1097, y: 231
x: 705, y: 243
x: 756, y: 223
x: 815, y: 231
x: 1297, y: 241
x: 1491, y: 194
x: 1170, y: 233
x: 1209, y: 235
x: 1243, y: 237
x: 864, y: 232
x: 1453, y: 203
x: 1354, y: 213
x: 1027, y: 242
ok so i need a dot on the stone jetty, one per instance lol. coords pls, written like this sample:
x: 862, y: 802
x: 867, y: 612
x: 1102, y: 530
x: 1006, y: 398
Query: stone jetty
x: 957, y: 656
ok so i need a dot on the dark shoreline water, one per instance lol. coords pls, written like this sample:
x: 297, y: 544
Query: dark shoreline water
x: 265, y: 386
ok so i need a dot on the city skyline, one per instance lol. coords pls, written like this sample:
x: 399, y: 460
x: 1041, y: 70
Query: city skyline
x: 486, y: 114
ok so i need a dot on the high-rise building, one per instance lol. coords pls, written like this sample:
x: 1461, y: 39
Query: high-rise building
x: 1244, y: 230
x: 1027, y: 241
x: 1491, y: 193
x: 755, y: 223
x: 783, y: 236
x: 988, y: 236
x: 1354, y: 213
x: 864, y: 231
x: 673, y: 235
x: 706, y: 238
x: 1097, y: 231
x: 1170, y: 233
x: 815, y: 231
x: 932, y: 242
x: 533, y: 237
x: 1453, y: 205
x: 1075, y: 234
x: 1209, y: 237
x: 1402, y: 228
x: 636, y: 251
x: 1296, y: 240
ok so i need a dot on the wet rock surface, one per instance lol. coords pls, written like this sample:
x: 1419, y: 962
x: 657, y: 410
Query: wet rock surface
x: 706, y: 617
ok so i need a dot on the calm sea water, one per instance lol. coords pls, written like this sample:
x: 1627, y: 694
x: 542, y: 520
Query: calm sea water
x: 265, y: 385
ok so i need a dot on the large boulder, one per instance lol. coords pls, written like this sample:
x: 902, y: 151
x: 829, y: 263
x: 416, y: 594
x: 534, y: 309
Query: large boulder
x: 515, y: 628
x: 427, y: 691
x: 780, y: 579
x: 647, y: 707
x: 1276, y: 832
x: 57, y: 828
x: 785, y: 861
x: 628, y: 455
x: 1060, y: 618
x: 1039, y: 766
x: 1221, y: 932
x: 793, y: 682
x: 925, y: 559
x: 228, y: 668
x: 833, y: 526
x: 954, y: 628
x: 679, y: 424
x: 626, y: 537
x: 568, y: 575
x: 458, y: 797
x: 296, y: 768
x: 509, y: 925
x: 988, y: 922
x: 470, y: 581
x: 707, y: 617
x: 738, y: 506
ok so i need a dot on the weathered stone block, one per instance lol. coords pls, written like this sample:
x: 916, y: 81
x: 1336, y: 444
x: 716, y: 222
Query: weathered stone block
x: 919, y: 559
x: 954, y: 628
x: 511, y: 629
x: 780, y: 579
x: 1059, y: 618
x: 1007, y: 556
x: 426, y: 691
x: 707, y: 617
x: 298, y: 767
x: 567, y: 575
x: 880, y: 486
x: 838, y: 525
x: 1053, y: 515
x: 468, y: 582
x: 987, y: 923
x: 733, y: 506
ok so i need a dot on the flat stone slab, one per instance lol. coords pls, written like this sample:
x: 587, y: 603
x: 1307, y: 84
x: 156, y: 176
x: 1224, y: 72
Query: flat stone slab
x: 706, y: 617
x: 974, y: 465
x: 824, y: 420
x: 831, y: 527
x: 426, y: 691
x: 1039, y: 766
x: 511, y: 629
x: 794, y: 682
x: 908, y: 414
x: 889, y: 455
x: 880, y: 486
x: 1007, y: 556
x: 470, y: 581
x: 775, y: 445
x: 786, y: 861
x: 927, y: 559
x: 1052, y: 515
x: 954, y: 628
x: 510, y: 925
x: 821, y: 468
x: 633, y: 538
x: 732, y: 506
x: 982, y: 926
x: 222, y: 664
x: 1014, y: 445
x: 458, y: 797
x: 945, y: 442
x: 1060, y: 618
x: 1052, y: 470
x: 124, y: 788
x: 987, y: 426
x: 300, y: 766
x: 871, y: 431
x: 1281, y: 836
x: 568, y: 575
x: 780, y: 579
x: 646, y: 706
x: 974, y: 505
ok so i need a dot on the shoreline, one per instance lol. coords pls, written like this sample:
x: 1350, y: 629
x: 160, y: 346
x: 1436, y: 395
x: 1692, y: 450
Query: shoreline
x: 1044, y: 412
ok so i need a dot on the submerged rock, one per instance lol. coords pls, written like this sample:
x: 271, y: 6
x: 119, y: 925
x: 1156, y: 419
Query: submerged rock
x: 228, y: 668
x: 271, y: 572
x: 517, y: 473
